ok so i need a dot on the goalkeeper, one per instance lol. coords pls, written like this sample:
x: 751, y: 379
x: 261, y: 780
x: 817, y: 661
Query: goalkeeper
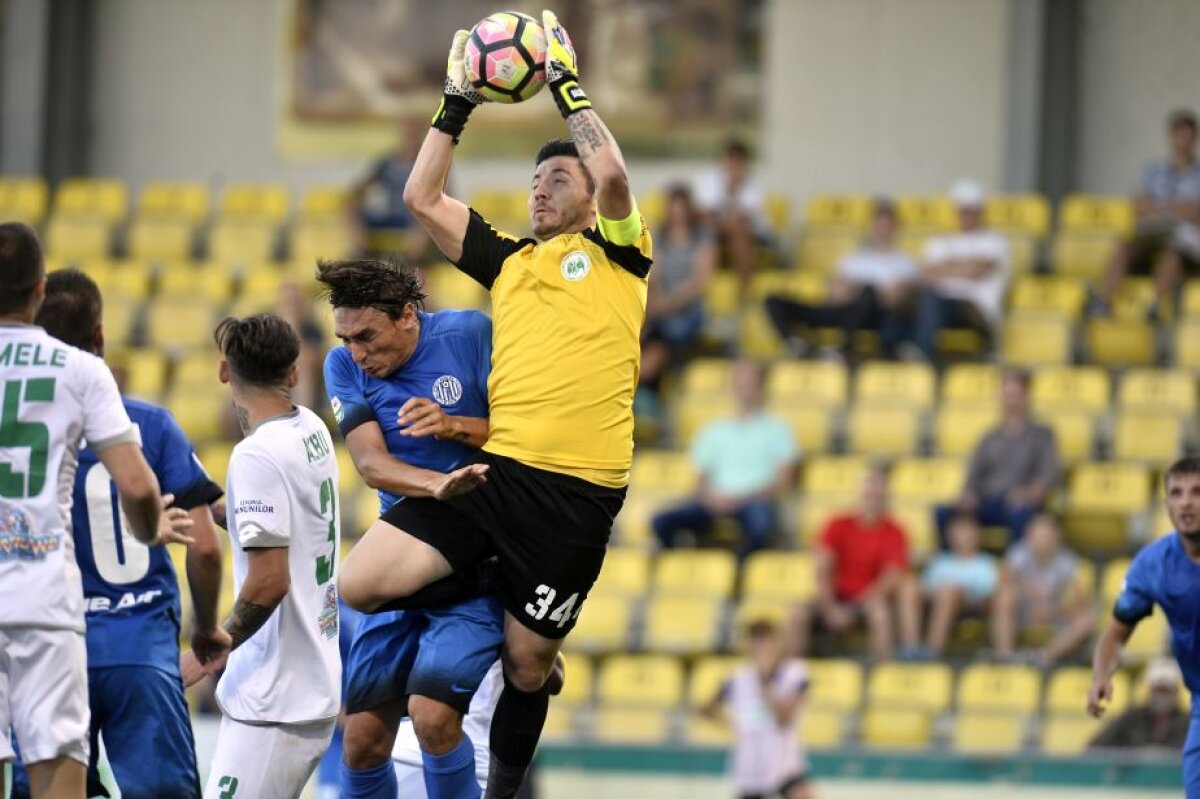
x: 568, y: 305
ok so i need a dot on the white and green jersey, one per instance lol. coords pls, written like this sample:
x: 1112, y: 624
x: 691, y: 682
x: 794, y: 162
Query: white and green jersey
x: 52, y: 397
x: 282, y: 492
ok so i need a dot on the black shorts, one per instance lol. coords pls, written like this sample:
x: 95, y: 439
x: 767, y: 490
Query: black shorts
x: 549, y: 531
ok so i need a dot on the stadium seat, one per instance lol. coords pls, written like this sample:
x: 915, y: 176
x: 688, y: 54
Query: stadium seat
x: 1111, y: 580
x: 695, y: 572
x: 1101, y: 497
x: 971, y: 384
x: 1076, y: 388
x: 802, y: 286
x: 957, y: 430
x: 504, y: 209
x: 820, y: 251
x: 242, y: 242
x: 449, y: 288
x: 1114, y: 342
x: 838, y: 211
x: 261, y: 282
x: 682, y: 625
x: 577, y: 687
x: 1154, y: 439
x: 815, y: 513
x: 158, y: 239
x: 1025, y: 213
x: 783, y: 576
x: 930, y: 480
x: 196, y: 369
x: 70, y: 239
x: 1067, y: 690
x: 1035, y: 339
x: 935, y: 213
x: 722, y: 298
x: 633, y: 522
x: 662, y: 470
x: 694, y: 412
x: 145, y: 372
x: 120, y: 318
x: 201, y: 414
x: 835, y: 684
x: 911, y: 385
x: 266, y: 202
x: 701, y: 730
x: 812, y: 426
x: 324, y: 202
x: 603, y: 625
x: 778, y: 208
x: 311, y: 240
x: 1150, y: 639
x: 1074, y: 434
x: 707, y: 377
x: 1065, y: 735
x: 631, y: 725
x: 23, y: 200
x: 1112, y: 213
x: 1007, y: 689
x: 626, y: 573
x: 183, y: 282
x: 179, y: 324
x: 822, y: 729
x: 1133, y: 298
x: 978, y: 733
x: 366, y: 507
x: 119, y: 280
x: 883, y: 431
x: 837, y: 476
x: 349, y: 480
x: 182, y: 201
x: 1187, y: 344
x: 96, y: 198
x: 707, y: 677
x: 1056, y: 295
x: 755, y: 609
x: 891, y: 728
x: 1083, y: 254
x: 647, y: 681
x: 917, y: 521
x: 1158, y: 391
x: 922, y: 686
x: 756, y: 338
x: 1024, y: 252
x: 560, y: 723
x: 820, y: 383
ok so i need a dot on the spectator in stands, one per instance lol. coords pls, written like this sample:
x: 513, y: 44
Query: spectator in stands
x: 1039, y: 588
x: 296, y: 309
x: 872, y: 291
x: 1167, y: 239
x: 963, y: 275
x: 744, y: 462
x: 376, y: 201
x: 733, y: 203
x: 862, y: 564
x: 685, y: 258
x: 1013, y: 468
x: 961, y: 580
x: 1161, y: 722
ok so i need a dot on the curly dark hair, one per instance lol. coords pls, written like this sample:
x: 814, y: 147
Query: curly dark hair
x: 261, y: 349
x: 21, y: 265
x: 73, y: 308
x: 387, y: 286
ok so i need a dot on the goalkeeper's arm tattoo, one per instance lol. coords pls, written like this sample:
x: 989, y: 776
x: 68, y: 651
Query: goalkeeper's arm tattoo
x: 245, y: 620
x: 589, y: 136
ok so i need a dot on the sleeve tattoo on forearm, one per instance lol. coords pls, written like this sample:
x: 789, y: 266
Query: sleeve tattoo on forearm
x: 588, y: 136
x: 245, y: 620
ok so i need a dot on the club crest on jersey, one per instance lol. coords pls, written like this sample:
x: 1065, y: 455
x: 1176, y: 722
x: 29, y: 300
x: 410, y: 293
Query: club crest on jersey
x: 18, y: 541
x: 339, y: 412
x: 576, y: 265
x: 447, y: 390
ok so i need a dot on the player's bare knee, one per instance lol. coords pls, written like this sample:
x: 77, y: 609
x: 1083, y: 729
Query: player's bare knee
x: 437, y: 725
x: 363, y: 744
x: 527, y: 674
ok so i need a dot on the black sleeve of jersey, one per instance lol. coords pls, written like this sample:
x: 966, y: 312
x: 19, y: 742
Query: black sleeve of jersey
x: 484, y: 250
x: 202, y: 492
x: 626, y: 256
x: 353, y: 416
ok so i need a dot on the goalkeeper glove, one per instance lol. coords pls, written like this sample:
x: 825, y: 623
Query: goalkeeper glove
x: 562, y: 71
x: 458, y: 97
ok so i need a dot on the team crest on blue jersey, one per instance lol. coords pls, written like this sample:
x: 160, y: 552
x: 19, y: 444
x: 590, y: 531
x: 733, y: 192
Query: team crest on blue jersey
x: 576, y: 265
x: 17, y: 539
x: 447, y: 390
x: 339, y: 412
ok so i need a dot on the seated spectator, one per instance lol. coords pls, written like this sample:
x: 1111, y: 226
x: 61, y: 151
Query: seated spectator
x: 745, y: 463
x: 871, y: 292
x: 1160, y: 722
x: 296, y: 309
x: 961, y: 580
x: 733, y: 204
x: 684, y: 261
x: 963, y: 275
x: 1039, y: 587
x: 1013, y: 467
x: 1167, y: 240
x: 377, y: 200
x: 862, y: 563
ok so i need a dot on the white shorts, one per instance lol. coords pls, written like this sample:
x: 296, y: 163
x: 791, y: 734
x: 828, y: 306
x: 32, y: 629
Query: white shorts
x: 265, y: 761
x: 43, y: 694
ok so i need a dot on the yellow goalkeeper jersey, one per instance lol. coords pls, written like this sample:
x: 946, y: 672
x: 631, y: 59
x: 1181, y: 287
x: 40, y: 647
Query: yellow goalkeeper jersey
x: 567, y: 321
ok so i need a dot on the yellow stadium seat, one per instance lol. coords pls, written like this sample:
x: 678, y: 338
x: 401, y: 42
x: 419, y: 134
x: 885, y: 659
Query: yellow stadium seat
x: 185, y: 201
x: 707, y: 376
x: 261, y: 283
x: 1050, y: 294
x: 921, y: 686
x: 160, y: 239
x: 820, y: 383
x: 366, y: 510
x: 958, y: 430
x: 145, y: 372
x: 1113, y: 342
x: 648, y: 681
x: 196, y: 369
x: 1187, y: 344
x: 242, y: 242
x: 1134, y: 296
x: 695, y: 412
x: 970, y: 384
x: 631, y: 725
x: 695, y: 572
x: 577, y: 685
x: 707, y: 677
x: 1111, y: 580
x: 626, y: 573
x: 560, y: 723
x: 209, y: 283
x: 633, y: 522
x: 348, y: 477
x: 1067, y: 690
x: 722, y: 297
x: 704, y: 731
x: 838, y: 211
x: 682, y: 625
x: 119, y: 280
x: 324, y: 202
x: 883, y: 430
x: 100, y: 198
x: 23, y: 200
x: 820, y: 251
x: 603, y: 625
x: 1023, y: 252
x: 1159, y: 391
x: 1036, y: 339
x: 502, y: 208
x: 1146, y: 437
x: 1113, y: 213
x: 1074, y: 434
x: 802, y: 286
x: 1100, y: 499
x: 987, y: 733
x: 822, y: 729
x: 662, y: 470
x: 1065, y: 735
x: 835, y: 684
x: 929, y: 480
x: 201, y: 414
x: 1009, y: 689
x: 754, y: 609
x: 449, y: 288
x: 835, y: 476
x: 262, y: 201
x: 1076, y: 388
x: 1026, y: 213
x: 889, y: 728
x: 912, y: 385
x: 815, y: 515
x: 177, y: 323
x: 920, y: 531
x: 1083, y: 254
x: 778, y: 208
x: 653, y: 206
x: 120, y: 315
x: 812, y: 427
x: 70, y: 239
x: 311, y: 240
x: 784, y: 576
x: 928, y: 212
x: 1150, y: 639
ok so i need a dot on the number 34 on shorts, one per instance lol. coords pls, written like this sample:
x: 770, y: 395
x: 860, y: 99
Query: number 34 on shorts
x: 544, y: 600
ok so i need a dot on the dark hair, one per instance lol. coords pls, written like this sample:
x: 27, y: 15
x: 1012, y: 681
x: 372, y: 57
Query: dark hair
x: 963, y: 518
x: 1182, y: 117
x: 387, y: 286
x: 261, y: 349
x: 683, y: 193
x: 1188, y: 464
x: 72, y: 310
x: 738, y: 149
x: 556, y: 147
x: 761, y: 627
x: 883, y: 205
x: 21, y: 265
x: 1018, y: 373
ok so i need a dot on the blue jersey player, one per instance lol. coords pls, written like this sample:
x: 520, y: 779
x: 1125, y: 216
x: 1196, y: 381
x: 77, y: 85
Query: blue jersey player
x: 409, y: 392
x: 1165, y: 573
x: 131, y: 595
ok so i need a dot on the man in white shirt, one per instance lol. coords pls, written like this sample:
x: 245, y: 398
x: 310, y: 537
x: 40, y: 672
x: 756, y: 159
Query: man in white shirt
x: 281, y: 689
x: 964, y: 275
x: 52, y: 397
x: 733, y: 203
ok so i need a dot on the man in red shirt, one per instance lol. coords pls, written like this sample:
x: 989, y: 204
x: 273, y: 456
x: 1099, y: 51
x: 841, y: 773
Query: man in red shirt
x: 862, y: 562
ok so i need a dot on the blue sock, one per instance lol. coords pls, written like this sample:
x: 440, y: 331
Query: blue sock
x: 371, y: 783
x: 452, y: 775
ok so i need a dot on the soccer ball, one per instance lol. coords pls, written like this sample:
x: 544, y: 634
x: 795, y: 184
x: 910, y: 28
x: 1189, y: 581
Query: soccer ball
x: 506, y: 57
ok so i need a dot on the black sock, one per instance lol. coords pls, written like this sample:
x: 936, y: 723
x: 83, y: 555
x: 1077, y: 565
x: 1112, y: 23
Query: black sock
x: 446, y: 591
x: 516, y: 727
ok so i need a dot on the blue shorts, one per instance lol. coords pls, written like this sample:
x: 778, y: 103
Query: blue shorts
x: 1191, y: 756
x: 442, y: 654
x: 141, y: 713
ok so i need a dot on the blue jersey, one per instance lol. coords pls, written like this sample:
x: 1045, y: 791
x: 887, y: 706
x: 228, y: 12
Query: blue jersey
x: 130, y: 591
x: 450, y: 365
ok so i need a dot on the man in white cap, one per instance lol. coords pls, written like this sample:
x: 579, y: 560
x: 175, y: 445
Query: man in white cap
x: 1161, y: 721
x: 963, y: 274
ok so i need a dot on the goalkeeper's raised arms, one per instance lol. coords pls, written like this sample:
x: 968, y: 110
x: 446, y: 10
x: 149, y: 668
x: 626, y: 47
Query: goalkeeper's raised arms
x: 458, y: 97
x: 562, y: 69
